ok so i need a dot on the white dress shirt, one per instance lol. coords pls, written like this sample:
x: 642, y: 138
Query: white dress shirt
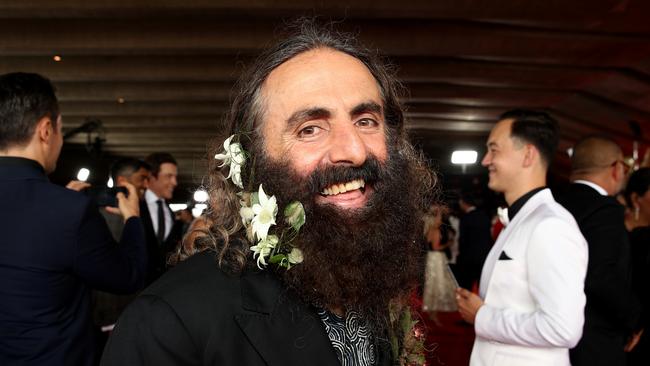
x: 152, y: 204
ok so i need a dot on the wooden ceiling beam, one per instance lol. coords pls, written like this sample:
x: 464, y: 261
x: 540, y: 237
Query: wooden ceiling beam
x: 609, y: 15
x: 223, y: 70
x: 138, y: 122
x: 126, y: 68
x: 435, y: 38
x: 143, y: 92
x: 100, y: 109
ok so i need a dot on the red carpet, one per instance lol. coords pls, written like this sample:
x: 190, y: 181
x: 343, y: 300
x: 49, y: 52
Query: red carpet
x: 448, y: 337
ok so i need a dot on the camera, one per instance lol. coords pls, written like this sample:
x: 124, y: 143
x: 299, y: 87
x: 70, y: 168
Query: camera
x: 104, y: 196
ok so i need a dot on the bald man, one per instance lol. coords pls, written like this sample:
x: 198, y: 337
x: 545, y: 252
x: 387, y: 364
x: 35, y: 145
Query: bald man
x: 598, y: 173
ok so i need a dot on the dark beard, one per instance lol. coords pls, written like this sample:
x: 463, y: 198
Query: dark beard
x: 358, y: 259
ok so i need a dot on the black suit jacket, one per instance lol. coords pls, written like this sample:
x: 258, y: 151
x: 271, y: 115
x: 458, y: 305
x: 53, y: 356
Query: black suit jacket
x: 611, y: 310
x: 157, y: 251
x: 474, y: 238
x: 54, y: 246
x: 197, y: 315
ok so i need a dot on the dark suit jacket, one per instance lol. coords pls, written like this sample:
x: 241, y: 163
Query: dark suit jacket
x: 54, y: 246
x: 612, y: 310
x: 474, y: 238
x: 197, y: 315
x: 157, y: 252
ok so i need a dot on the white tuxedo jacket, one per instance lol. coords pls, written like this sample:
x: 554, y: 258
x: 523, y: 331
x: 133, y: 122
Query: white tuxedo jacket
x: 533, y: 287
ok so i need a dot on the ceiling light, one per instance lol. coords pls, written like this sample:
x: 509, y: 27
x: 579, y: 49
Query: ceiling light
x: 464, y: 157
x: 198, y: 210
x: 83, y: 174
x: 57, y: 58
x: 121, y: 100
x: 177, y: 206
x: 201, y: 195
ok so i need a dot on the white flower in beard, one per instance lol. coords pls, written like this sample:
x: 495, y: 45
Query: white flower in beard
x: 265, y: 212
x: 263, y: 249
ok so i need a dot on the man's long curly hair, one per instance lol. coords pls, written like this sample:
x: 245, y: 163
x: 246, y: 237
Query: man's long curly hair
x: 226, y: 234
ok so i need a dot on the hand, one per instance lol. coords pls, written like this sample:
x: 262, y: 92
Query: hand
x: 468, y: 304
x: 632, y: 341
x: 77, y: 185
x: 127, y: 206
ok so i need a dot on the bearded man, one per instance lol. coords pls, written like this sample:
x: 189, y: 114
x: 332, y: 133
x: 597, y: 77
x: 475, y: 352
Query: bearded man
x: 316, y: 120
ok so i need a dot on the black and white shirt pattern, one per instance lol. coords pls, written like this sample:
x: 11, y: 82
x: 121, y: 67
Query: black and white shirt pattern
x: 351, y: 338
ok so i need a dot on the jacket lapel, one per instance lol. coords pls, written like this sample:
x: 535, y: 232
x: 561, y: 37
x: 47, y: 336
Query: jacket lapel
x: 282, y: 329
x: 145, y: 216
x: 503, y: 239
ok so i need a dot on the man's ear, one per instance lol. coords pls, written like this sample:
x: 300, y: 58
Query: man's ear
x: 616, y: 174
x: 45, y: 129
x: 530, y: 155
x: 121, y: 180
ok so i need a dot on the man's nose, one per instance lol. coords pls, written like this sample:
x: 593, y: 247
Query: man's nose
x: 486, y: 159
x: 347, y: 146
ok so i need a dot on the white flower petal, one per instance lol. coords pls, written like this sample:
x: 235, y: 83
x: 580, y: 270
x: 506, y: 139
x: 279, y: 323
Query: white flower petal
x: 246, y: 214
x: 262, y: 197
x: 226, y: 143
x: 235, y: 170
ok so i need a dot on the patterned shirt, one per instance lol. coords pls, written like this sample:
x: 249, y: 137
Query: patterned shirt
x: 351, y: 338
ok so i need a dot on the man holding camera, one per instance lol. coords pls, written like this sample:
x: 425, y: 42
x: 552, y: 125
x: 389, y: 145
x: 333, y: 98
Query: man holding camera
x: 126, y: 170
x: 55, y: 245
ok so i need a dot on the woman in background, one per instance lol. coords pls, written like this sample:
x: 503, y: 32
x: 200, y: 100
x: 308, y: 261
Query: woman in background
x: 439, y: 287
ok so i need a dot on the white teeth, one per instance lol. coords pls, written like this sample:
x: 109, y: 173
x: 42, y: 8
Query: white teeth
x: 335, y: 189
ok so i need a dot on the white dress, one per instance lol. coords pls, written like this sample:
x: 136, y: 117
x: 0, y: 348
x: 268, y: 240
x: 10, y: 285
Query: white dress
x: 439, y: 287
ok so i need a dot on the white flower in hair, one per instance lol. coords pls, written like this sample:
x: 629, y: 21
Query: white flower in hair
x: 258, y: 212
x: 246, y: 214
x: 235, y: 174
x: 233, y: 154
x: 265, y: 212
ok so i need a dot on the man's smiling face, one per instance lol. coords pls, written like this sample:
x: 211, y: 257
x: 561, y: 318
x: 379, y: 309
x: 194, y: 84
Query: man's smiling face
x: 323, y: 108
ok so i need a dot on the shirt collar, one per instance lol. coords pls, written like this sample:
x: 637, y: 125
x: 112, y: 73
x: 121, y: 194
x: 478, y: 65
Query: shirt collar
x: 593, y: 185
x: 151, y: 197
x: 520, y: 202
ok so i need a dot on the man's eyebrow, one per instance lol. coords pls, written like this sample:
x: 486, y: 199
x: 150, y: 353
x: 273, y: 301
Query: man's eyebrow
x: 306, y: 115
x: 366, y: 107
x: 492, y: 144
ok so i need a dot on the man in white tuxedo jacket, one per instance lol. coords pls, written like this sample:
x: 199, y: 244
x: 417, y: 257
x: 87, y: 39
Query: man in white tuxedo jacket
x: 531, y: 305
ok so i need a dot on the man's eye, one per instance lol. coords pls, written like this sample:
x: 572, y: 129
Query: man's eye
x: 367, y: 122
x: 308, y: 131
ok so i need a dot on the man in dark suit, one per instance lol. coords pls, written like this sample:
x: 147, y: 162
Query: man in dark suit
x: 474, y: 241
x: 107, y: 307
x: 55, y: 245
x: 316, y: 120
x: 162, y: 231
x: 598, y: 173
